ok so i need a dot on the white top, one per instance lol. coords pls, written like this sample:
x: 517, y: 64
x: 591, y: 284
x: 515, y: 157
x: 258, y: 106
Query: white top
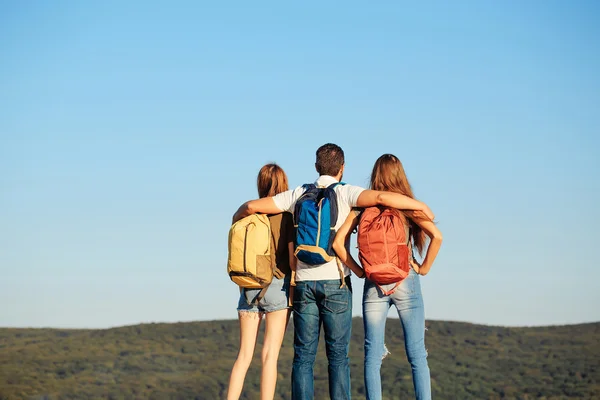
x: 347, y: 195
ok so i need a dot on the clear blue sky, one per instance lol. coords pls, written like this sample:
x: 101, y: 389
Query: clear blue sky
x: 131, y: 131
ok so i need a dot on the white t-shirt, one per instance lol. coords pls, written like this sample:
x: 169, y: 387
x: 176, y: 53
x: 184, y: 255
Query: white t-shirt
x: 347, y: 195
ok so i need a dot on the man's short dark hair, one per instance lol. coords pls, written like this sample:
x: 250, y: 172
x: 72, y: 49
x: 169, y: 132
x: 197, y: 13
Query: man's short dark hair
x: 330, y: 158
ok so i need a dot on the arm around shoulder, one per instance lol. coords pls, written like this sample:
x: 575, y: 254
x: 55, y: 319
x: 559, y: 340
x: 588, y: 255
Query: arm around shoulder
x: 370, y: 198
x: 265, y: 205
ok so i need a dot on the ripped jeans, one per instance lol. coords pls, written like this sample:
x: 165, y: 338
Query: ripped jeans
x: 408, y: 300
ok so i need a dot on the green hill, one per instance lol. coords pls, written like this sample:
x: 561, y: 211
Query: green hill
x: 193, y: 360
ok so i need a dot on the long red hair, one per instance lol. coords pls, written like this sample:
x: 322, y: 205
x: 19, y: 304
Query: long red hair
x: 271, y: 180
x: 388, y: 175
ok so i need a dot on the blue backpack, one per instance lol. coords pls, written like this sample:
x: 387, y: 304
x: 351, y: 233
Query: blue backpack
x: 315, y: 216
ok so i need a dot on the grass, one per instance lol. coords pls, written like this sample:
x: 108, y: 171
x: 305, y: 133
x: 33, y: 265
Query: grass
x: 193, y: 361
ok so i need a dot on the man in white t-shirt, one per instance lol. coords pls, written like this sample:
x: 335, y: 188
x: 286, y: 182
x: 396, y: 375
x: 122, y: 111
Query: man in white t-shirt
x: 319, y: 298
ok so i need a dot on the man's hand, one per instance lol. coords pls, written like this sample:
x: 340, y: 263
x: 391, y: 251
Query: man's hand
x: 427, y: 212
x: 370, y: 198
x: 424, y: 215
x: 266, y: 205
x: 242, y: 212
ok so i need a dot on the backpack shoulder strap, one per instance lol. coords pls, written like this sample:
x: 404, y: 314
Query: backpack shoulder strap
x: 259, y: 296
x: 308, y: 188
x: 332, y: 196
x: 390, y: 291
x: 276, y: 272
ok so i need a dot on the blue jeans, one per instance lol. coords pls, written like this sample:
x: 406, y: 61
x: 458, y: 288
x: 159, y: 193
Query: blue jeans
x: 408, y: 300
x: 317, y: 302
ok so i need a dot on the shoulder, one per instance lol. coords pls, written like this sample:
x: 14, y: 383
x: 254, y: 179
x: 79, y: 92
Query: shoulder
x: 283, y: 218
x: 349, y: 193
x: 286, y: 200
x: 346, y: 187
x: 276, y: 219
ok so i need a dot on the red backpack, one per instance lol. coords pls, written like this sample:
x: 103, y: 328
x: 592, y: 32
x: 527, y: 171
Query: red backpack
x: 383, y: 247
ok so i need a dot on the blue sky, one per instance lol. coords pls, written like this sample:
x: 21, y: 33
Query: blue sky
x: 131, y: 131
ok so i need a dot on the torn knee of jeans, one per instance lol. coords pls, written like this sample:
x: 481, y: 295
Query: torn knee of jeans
x: 386, y: 352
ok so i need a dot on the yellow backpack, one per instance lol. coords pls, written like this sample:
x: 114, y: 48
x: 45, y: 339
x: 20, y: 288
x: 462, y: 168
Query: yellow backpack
x: 251, y: 260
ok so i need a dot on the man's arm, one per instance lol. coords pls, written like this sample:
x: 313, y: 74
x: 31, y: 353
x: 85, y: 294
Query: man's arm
x: 370, y: 198
x: 266, y: 205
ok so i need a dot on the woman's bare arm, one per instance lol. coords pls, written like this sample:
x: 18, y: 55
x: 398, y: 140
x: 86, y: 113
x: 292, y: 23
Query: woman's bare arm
x: 434, y: 246
x: 293, y: 262
x: 339, y: 244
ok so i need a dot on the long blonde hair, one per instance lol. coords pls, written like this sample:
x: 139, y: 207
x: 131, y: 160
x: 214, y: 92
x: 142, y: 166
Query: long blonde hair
x: 388, y: 175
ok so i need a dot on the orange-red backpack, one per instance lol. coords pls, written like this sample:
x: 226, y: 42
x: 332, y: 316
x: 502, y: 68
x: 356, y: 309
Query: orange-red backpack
x: 384, y: 247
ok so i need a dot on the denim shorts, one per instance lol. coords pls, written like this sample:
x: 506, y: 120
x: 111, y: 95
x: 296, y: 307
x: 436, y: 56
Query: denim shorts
x: 275, y: 299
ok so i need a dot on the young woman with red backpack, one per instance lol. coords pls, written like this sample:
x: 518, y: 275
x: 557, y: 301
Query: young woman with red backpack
x: 386, y: 239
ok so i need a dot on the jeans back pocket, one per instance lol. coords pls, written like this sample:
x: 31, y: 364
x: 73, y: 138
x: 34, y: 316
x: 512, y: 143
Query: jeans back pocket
x: 337, y: 300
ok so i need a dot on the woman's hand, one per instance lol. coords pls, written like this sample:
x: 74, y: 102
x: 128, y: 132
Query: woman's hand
x: 434, y: 245
x: 419, y: 269
x: 415, y: 265
x: 423, y: 271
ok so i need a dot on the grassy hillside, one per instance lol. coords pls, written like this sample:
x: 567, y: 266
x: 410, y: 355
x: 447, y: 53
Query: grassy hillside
x: 193, y: 360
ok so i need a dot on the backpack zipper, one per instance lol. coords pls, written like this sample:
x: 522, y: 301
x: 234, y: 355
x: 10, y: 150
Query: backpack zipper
x: 246, y: 245
x: 385, y: 245
x: 319, y: 223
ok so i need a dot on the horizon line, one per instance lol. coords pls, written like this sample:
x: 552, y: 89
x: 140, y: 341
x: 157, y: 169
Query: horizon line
x: 291, y: 321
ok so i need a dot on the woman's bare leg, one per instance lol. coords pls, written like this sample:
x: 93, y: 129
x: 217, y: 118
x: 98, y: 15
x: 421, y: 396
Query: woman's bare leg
x: 249, y: 324
x: 276, y: 323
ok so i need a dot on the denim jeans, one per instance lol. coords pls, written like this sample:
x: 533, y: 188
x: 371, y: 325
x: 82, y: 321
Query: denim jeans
x: 317, y: 302
x: 408, y: 300
x: 275, y: 299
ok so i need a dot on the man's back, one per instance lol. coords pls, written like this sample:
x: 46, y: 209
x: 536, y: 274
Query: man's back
x: 347, y: 196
